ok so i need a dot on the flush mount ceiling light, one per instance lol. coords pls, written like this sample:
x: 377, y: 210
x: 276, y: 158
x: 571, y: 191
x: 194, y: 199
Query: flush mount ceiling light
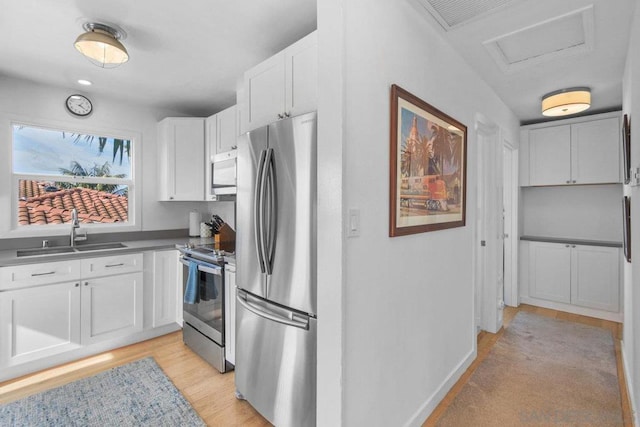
x: 100, y: 44
x: 564, y: 102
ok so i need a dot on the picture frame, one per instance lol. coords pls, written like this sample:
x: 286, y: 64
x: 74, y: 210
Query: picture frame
x: 626, y: 227
x: 626, y: 148
x: 428, y: 167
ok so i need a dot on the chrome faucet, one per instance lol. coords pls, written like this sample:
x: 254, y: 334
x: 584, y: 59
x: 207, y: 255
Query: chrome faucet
x: 75, y: 237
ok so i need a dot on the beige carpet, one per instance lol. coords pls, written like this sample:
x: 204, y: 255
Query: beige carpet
x: 542, y: 372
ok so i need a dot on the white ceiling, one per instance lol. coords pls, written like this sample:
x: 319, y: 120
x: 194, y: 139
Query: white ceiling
x: 189, y: 55
x: 184, y: 55
x: 526, y: 48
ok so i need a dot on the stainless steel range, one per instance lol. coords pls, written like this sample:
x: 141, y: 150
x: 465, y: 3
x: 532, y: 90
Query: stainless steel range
x: 203, y: 288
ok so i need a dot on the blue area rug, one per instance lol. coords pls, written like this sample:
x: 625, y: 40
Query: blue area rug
x: 137, y: 394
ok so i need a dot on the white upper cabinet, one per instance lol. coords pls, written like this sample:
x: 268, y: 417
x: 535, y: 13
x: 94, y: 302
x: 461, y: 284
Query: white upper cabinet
x: 221, y: 132
x: 579, y: 152
x: 227, y: 130
x: 301, y: 72
x: 550, y: 155
x: 181, y: 163
x: 284, y: 85
x: 595, y: 151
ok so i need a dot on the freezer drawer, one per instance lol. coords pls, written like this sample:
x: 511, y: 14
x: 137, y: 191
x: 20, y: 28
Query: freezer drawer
x: 276, y: 361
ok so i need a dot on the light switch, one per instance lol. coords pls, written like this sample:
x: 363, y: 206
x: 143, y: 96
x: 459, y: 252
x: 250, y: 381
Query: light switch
x: 635, y: 177
x: 353, y: 223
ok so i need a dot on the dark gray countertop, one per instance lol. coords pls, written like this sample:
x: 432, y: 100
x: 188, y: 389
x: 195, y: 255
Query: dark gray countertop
x: 9, y: 257
x: 571, y: 241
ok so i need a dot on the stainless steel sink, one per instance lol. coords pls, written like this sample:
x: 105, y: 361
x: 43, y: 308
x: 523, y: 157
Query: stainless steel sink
x: 45, y: 251
x: 100, y: 246
x: 68, y: 249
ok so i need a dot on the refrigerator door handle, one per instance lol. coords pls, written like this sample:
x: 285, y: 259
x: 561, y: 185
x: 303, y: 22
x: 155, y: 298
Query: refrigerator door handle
x: 262, y: 312
x: 257, y: 209
x: 273, y: 215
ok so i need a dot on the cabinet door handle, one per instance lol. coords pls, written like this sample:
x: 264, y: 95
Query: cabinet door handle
x: 114, y: 265
x: 42, y: 274
x: 287, y: 114
x: 569, y: 182
x: 86, y: 283
x: 280, y: 116
x: 170, y: 197
x: 233, y: 147
x: 77, y: 284
x: 573, y: 246
x: 567, y: 246
x: 574, y: 181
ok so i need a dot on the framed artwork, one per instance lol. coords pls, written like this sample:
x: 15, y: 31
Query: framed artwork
x: 428, y: 167
x: 626, y: 148
x: 626, y: 227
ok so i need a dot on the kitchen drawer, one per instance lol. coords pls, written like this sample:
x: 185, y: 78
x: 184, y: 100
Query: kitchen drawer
x: 21, y: 276
x: 111, y: 265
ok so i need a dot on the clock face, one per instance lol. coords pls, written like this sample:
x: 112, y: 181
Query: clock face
x: 79, y: 105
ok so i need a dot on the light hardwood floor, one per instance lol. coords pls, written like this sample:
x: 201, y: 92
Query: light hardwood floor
x: 213, y: 394
x: 486, y: 342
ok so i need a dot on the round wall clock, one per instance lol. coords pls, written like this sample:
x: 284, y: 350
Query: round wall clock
x: 79, y: 105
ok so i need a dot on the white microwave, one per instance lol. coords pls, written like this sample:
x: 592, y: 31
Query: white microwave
x: 223, y: 175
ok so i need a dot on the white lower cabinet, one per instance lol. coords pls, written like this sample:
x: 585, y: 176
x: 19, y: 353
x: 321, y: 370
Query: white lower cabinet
x: 39, y: 322
x: 111, y: 307
x: 162, y: 281
x: 581, y: 275
x: 230, y: 314
x: 595, y: 277
x: 550, y: 271
x: 85, y: 301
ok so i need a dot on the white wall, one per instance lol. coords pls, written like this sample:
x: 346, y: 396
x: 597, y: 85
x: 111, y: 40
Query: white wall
x: 581, y: 212
x: 46, y: 103
x: 631, y: 340
x: 407, y: 301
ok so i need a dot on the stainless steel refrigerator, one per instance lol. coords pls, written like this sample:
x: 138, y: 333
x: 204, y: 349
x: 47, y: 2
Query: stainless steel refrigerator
x: 276, y: 324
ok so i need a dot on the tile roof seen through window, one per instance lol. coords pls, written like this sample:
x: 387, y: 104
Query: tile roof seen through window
x: 42, y: 203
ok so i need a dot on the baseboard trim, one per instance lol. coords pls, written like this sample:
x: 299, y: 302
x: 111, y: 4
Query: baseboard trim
x: 569, y: 308
x: 84, y: 351
x: 630, y: 390
x: 418, y: 418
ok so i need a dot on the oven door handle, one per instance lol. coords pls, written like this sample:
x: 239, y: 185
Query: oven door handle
x: 205, y: 269
x: 267, y: 314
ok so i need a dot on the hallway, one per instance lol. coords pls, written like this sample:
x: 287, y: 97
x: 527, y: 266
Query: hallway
x: 487, y: 341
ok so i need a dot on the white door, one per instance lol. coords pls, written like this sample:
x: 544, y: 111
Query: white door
x: 510, y: 202
x: 489, y: 261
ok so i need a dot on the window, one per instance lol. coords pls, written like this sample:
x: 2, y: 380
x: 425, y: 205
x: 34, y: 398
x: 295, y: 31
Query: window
x: 56, y: 171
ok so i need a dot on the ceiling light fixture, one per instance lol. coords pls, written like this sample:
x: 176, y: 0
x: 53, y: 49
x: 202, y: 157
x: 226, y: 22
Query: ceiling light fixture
x: 564, y: 102
x: 100, y: 44
x: 84, y: 82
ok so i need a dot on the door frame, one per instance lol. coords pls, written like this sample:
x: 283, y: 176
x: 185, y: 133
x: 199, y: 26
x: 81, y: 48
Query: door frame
x: 511, y: 187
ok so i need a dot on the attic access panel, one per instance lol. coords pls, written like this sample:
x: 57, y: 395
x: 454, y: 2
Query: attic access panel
x: 564, y: 35
x: 452, y: 13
